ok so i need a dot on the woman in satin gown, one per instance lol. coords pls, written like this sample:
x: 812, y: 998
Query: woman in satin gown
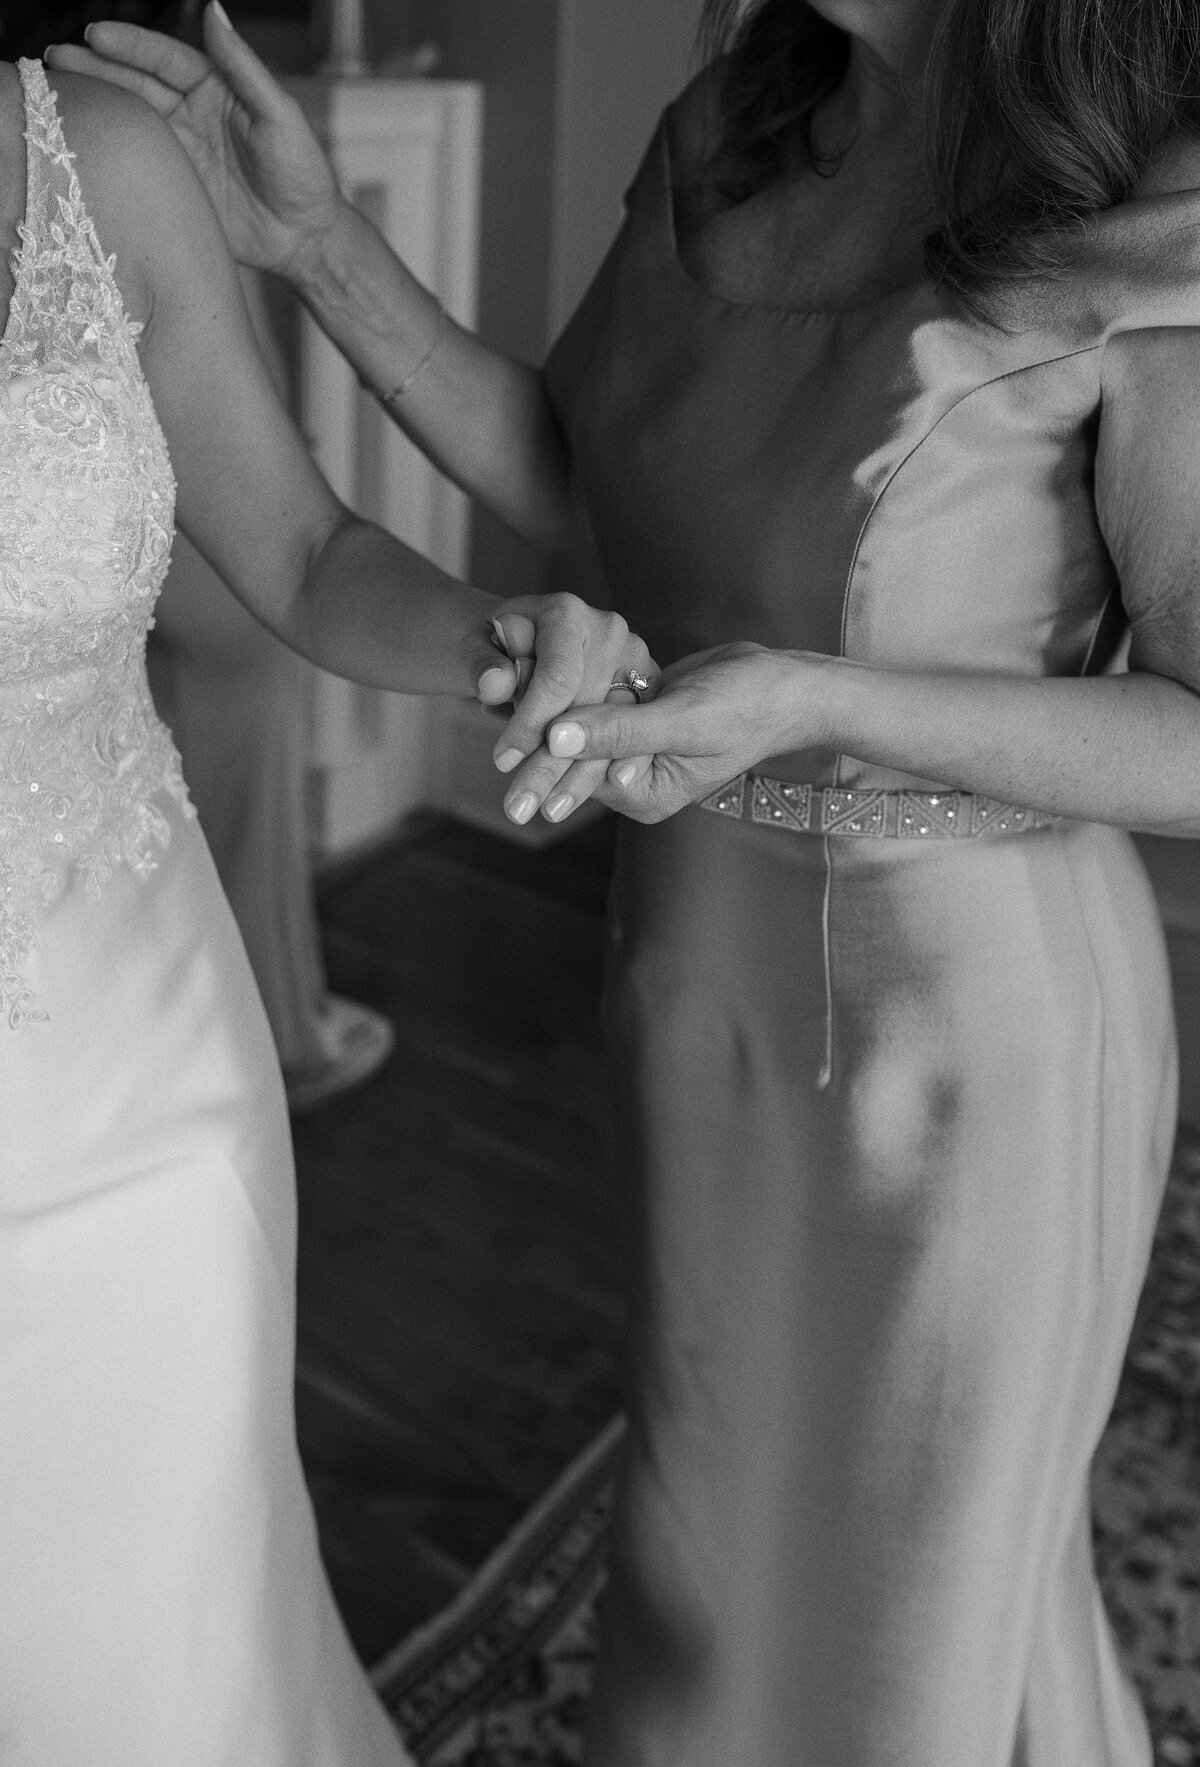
x: 905, y: 492
x: 162, y: 1602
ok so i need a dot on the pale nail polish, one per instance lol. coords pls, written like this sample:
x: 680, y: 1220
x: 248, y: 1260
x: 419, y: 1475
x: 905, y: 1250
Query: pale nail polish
x: 523, y: 809
x: 500, y: 636
x: 221, y: 16
x: 557, y: 808
x: 499, y: 679
x: 626, y: 773
x: 567, y: 739
x: 509, y: 759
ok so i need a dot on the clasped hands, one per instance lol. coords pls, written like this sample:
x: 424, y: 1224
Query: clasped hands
x: 573, y: 734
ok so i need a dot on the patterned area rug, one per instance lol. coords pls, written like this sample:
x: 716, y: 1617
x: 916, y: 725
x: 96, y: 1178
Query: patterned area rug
x: 502, y: 1678
x: 1146, y: 1480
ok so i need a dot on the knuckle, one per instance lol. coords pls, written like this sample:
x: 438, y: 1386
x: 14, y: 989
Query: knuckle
x: 621, y: 731
x: 552, y: 682
x: 561, y: 604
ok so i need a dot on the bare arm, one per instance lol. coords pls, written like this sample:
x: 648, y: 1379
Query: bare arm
x: 339, y: 590
x: 354, y: 599
x: 484, y: 420
x: 1123, y: 749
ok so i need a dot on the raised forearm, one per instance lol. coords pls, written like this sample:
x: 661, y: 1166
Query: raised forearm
x: 485, y: 420
x: 1123, y: 749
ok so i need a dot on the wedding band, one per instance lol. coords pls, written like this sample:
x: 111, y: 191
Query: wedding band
x: 632, y: 682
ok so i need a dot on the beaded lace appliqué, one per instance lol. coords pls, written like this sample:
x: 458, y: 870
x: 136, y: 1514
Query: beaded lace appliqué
x: 86, y: 523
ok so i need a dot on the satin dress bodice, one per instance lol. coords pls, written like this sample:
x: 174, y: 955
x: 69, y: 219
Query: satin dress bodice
x: 899, y: 483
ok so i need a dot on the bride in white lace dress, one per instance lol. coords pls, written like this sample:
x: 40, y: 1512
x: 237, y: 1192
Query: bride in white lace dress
x: 162, y: 1602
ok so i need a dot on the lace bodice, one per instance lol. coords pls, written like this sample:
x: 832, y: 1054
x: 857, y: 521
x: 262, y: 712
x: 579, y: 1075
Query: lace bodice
x: 86, y: 522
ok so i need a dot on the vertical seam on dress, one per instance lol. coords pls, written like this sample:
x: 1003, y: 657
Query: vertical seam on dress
x: 967, y: 394
x: 825, y: 1076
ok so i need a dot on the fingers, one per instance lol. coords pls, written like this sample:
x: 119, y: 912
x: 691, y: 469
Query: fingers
x: 516, y: 634
x: 615, y: 732
x: 533, y: 786
x: 70, y: 58
x: 174, y: 65
x: 575, y: 787
x: 502, y: 683
x: 629, y: 775
x: 163, y: 71
x: 560, y: 645
x: 501, y: 680
x: 580, y: 651
x: 558, y: 788
x: 248, y: 77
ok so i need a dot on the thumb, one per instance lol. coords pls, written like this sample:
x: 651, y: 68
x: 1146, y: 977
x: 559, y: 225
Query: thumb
x: 517, y: 633
x: 247, y: 77
x: 497, y: 678
x: 613, y: 731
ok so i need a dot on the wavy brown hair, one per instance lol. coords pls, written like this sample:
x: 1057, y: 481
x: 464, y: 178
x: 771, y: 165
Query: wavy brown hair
x: 1038, y: 113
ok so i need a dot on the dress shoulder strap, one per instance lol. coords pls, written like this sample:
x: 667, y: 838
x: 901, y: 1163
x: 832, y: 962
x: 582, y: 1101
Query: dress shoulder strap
x: 65, y: 294
x: 43, y: 127
x: 54, y: 202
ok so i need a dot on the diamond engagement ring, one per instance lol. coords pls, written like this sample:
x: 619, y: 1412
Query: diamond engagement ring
x: 632, y: 682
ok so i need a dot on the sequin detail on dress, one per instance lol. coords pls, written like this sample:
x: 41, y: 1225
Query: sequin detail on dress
x: 871, y: 814
x: 86, y: 522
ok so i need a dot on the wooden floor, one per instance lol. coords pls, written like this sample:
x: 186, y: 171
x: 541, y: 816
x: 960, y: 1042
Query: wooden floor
x: 459, y: 1311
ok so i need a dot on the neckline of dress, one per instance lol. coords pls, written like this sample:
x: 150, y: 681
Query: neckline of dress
x: 665, y: 162
x: 20, y: 255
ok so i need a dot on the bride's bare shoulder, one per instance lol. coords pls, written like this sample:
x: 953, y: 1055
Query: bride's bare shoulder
x: 138, y: 184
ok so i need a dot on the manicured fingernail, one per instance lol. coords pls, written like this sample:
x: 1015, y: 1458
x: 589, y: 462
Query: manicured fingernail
x: 523, y: 809
x: 509, y: 759
x: 559, y: 807
x: 500, y: 636
x: 567, y: 739
x: 625, y: 773
x: 500, y: 679
x: 221, y: 16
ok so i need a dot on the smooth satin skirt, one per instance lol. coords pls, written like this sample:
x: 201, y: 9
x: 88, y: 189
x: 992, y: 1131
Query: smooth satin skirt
x: 162, y: 1601
x: 896, y: 1119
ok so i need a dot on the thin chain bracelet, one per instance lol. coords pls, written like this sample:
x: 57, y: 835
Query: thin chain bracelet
x: 414, y: 375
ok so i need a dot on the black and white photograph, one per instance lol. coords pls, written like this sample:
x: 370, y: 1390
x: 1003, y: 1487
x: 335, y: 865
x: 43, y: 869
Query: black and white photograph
x: 600, y: 883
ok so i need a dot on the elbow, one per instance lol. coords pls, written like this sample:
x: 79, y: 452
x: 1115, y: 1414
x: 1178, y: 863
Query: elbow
x: 314, y: 569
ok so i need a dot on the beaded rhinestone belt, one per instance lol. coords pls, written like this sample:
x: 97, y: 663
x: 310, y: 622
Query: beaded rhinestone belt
x: 871, y: 815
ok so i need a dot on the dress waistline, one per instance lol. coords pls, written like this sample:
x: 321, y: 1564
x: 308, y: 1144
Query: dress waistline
x: 870, y: 814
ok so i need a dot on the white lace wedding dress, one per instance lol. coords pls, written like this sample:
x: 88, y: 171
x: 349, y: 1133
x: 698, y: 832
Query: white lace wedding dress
x: 162, y: 1602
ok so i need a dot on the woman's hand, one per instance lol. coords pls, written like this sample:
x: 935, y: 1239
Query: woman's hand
x: 260, y: 162
x: 567, y: 654
x: 716, y: 714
